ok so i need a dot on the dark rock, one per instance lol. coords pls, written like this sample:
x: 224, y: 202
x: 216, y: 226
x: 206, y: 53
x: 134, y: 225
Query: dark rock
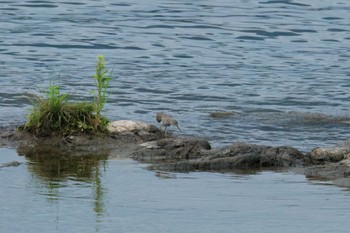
x: 84, y: 144
x: 238, y: 156
x: 147, y: 143
x: 223, y: 114
x: 171, y: 150
x: 330, y: 164
x: 328, y: 171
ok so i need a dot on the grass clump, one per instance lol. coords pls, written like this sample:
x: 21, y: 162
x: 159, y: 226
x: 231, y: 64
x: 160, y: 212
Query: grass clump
x: 54, y: 114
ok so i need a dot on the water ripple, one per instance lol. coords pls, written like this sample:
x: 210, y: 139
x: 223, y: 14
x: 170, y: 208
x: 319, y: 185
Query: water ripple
x: 190, y: 58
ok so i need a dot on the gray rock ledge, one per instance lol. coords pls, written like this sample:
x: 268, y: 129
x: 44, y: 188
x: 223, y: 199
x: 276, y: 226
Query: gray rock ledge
x: 147, y: 143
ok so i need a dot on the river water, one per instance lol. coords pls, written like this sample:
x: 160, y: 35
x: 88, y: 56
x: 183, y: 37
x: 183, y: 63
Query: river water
x: 282, y: 67
x: 81, y: 194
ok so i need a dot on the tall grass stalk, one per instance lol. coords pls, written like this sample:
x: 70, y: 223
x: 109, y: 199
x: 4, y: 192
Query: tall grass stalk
x: 102, y: 79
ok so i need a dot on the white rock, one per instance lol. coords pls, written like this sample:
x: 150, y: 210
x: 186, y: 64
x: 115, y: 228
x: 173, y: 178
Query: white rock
x: 128, y: 126
x: 328, y: 154
x: 150, y: 145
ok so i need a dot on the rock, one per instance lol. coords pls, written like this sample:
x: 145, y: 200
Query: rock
x: 150, y: 145
x: 222, y: 114
x: 238, y: 156
x: 328, y: 172
x: 147, y: 143
x: 171, y: 149
x: 134, y: 131
x: 331, y: 154
x: 332, y: 163
x: 128, y: 126
x: 322, y: 155
x: 10, y: 164
x: 264, y: 156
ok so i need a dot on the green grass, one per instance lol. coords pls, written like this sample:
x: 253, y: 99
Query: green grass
x: 102, y: 79
x: 54, y: 114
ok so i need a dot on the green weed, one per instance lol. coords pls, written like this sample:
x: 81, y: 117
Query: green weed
x: 53, y: 113
x: 102, y: 79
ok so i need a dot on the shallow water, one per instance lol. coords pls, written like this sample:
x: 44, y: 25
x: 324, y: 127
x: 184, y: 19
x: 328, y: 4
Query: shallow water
x: 281, y: 66
x: 90, y: 195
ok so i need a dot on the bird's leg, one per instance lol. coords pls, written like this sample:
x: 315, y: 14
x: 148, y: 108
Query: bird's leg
x: 160, y: 127
x: 165, y: 132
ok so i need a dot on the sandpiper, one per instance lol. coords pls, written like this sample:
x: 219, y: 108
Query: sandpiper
x: 166, y: 120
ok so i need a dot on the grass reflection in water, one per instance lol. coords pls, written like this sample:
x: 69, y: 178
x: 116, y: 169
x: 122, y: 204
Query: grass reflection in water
x: 55, y: 169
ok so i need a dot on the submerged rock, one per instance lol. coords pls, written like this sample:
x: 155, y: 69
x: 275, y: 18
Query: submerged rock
x: 328, y: 171
x: 223, y: 114
x: 10, y: 164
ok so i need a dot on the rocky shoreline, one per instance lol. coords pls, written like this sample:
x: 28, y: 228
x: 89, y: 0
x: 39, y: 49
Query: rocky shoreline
x: 147, y: 143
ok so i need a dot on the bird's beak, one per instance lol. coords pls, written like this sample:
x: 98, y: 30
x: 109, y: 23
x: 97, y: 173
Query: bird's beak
x: 179, y: 128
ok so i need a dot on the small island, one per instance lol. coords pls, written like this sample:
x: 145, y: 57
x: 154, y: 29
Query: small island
x: 57, y: 125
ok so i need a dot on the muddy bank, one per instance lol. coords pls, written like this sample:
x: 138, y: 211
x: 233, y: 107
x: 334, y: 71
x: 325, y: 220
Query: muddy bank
x: 148, y: 144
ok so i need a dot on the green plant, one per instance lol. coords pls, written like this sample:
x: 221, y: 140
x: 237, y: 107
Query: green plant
x: 102, y: 79
x: 53, y: 113
x: 47, y: 110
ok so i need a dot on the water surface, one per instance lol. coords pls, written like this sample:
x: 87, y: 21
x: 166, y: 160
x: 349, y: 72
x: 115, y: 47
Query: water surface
x: 82, y: 194
x: 189, y: 58
x: 282, y: 67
